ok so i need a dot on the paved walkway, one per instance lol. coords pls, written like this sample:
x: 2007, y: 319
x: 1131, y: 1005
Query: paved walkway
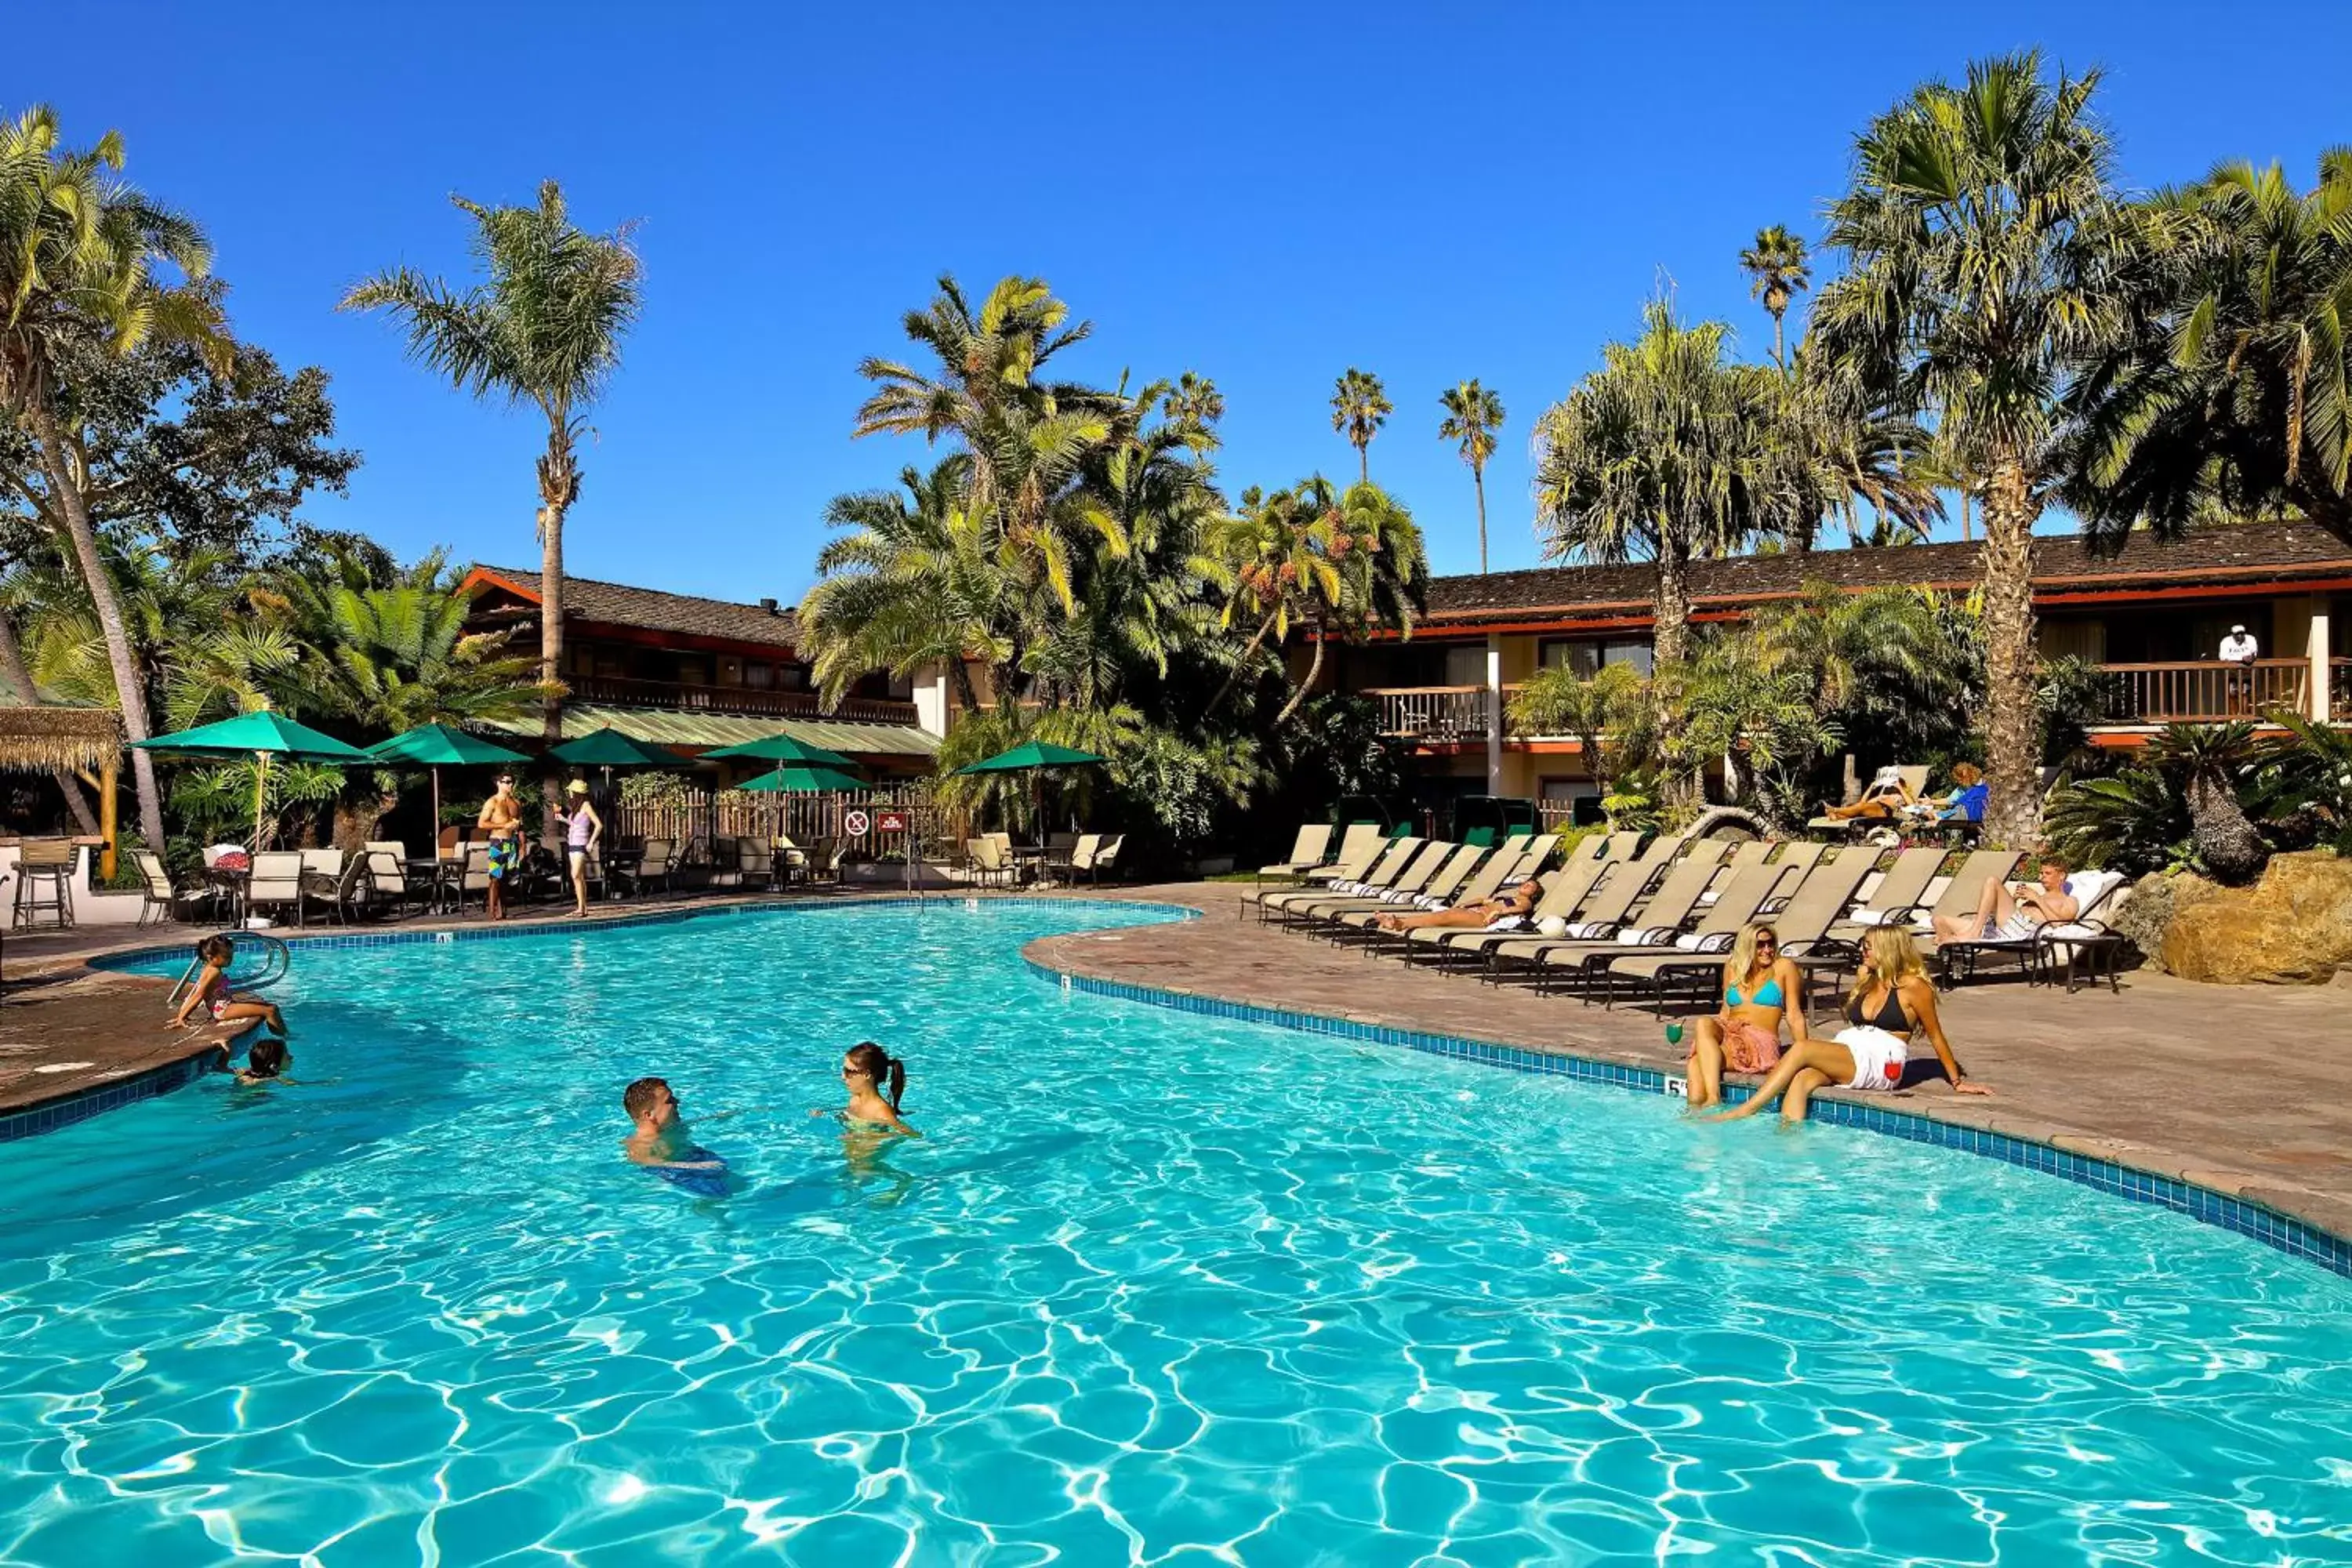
x: 2236, y: 1088
x: 2247, y: 1090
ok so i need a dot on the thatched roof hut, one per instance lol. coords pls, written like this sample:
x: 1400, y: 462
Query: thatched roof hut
x: 35, y: 739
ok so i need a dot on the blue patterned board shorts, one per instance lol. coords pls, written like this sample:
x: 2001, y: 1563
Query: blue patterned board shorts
x: 506, y: 854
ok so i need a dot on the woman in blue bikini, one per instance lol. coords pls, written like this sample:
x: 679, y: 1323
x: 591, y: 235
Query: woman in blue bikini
x: 1745, y: 1036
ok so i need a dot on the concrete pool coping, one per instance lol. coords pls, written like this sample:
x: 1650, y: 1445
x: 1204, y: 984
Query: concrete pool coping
x: 2301, y: 1229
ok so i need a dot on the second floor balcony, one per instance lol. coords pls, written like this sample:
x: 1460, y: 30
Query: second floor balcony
x: 752, y: 701
x: 2195, y: 692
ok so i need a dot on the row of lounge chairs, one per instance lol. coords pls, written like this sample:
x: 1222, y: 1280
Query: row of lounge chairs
x: 1617, y: 920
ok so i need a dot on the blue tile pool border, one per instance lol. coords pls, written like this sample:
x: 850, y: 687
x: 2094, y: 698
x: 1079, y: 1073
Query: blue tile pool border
x: 97, y: 1099
x: 2284, y: 1232
x: 2297, y: 1237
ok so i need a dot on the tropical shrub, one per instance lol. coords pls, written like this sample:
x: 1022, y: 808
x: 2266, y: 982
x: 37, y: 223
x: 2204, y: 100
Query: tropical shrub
x: 2135, y: 822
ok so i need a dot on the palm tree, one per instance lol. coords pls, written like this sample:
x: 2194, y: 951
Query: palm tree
x: 1842, y: 451
x: 78, y: 250
x: 1982, y: 280
x: 1662, y: 454
x: 1776, y: 265
x: 543, y: 327
x: 2235, y: 398
x: 1473, y: 415
x: 1195, y: 405
x: 1277, y: 558
x: 1382, y: 565
x: 1558, y: 701
x: 1359, y: 408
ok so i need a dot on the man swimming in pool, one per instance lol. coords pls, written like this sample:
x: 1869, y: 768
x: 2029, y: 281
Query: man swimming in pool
x: 1513, y: 904
x: 661, y: 1141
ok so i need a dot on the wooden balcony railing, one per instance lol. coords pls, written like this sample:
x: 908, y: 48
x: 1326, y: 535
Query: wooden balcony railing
x: 1432, y: 712
x: 2204, y: 690
x: 679, y: 697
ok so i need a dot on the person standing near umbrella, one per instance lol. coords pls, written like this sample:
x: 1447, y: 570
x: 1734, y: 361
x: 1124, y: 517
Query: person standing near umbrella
x: 501, y: 818
x: 582, y: 829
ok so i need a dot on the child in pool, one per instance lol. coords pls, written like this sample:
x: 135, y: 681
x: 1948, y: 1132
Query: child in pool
x: 267, y: 1059
x: 211, y: 992
x: 864, y: 1070
x: 660, y: 1141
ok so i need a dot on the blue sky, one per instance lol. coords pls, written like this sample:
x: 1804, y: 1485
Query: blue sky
x: 1266, y: 194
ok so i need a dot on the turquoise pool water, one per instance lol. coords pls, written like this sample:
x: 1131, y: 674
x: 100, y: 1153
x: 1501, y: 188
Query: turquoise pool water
x: 1155, y: 1288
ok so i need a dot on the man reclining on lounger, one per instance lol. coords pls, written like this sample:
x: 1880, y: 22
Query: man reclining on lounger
x: 2010, y: 910
x: 1473, y: 917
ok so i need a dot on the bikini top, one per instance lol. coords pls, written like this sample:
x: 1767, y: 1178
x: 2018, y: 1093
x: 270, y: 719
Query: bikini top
x: 1890, y: 1017
x: 1767, y: 995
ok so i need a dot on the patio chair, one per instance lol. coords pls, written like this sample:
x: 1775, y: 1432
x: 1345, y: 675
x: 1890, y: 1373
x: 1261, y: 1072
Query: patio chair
x: 388, y: 877
x: 1306, y: 854
x: 989, y: 860
x: 824, y: 859
x: 277, y: 881
x: 474, y: 877
x: 754, y: 862
x: 659, y: 868
x: 1802, y: 923
x: 1082, y: 857
x: 161, y: 903
x: 1106, y: 858
x: 2093, y: 891
x: 322, y: 884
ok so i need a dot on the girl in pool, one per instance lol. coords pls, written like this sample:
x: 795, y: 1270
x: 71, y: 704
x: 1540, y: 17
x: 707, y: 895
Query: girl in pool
x: 1758, y: 985
x: 1892, y: 999
x: 866, y: 1069
x: 212, y: 994
x: 265, y: 1059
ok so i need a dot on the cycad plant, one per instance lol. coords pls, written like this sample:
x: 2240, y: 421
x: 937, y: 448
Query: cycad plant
x: 2211, y: 761
x: 543, y: 327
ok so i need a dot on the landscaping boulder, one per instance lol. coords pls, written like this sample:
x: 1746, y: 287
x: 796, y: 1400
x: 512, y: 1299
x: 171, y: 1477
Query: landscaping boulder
x: 2292, y: 927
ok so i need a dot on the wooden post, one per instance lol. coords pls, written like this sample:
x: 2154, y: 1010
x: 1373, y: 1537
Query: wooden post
x: 109, y: 775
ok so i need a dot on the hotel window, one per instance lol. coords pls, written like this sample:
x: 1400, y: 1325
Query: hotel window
x: 759, y: 677
x: 1587, y: 654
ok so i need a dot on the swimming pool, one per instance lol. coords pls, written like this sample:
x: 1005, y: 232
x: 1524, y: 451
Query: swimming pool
x: 1154, y: 1284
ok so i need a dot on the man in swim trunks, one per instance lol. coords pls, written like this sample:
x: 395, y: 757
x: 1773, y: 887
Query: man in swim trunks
x: 2010, y: 909
x: 501, y: 818
x: 660, y: 1137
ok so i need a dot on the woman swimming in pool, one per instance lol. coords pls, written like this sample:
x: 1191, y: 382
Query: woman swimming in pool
x: 1892, y: 999
x: 1758, y: 985
x: 866, y: 1069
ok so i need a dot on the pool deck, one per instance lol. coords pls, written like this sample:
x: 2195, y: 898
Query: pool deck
x: 2232, y: 1088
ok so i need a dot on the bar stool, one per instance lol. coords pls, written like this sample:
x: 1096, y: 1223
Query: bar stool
x: 43, y: 884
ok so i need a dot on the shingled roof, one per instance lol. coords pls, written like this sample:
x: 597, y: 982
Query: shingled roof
x: 618, y: 603
x: 2253, y: 553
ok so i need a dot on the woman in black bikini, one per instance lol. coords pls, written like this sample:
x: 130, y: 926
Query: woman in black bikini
x: 1891, y: 1000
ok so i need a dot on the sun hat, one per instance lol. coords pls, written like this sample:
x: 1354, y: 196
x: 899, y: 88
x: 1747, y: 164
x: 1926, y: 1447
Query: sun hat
x: 576, y: 787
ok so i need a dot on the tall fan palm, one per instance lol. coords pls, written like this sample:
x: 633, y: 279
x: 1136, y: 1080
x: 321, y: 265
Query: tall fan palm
x: 1982, y: 280
x: 78, y: 253
x: 1776, y: 266
x: 1844, y: 451
x: 1359, y: 406
x: 2236, y: 399
x: 1195, y: 405
x: 543, y: 327
x: 1473, y: 415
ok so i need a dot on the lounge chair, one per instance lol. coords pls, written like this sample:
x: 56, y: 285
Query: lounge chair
x: 1587, y: 889
x: 1353, y: 867
x: 1895, y: 897
x: 1577, y: 964
x: 1503, y: 867
x: 1601, y: 927
x: 1363, y: 840
x: 1375, y: 883
x: 1801, y: 923
x: 2094, y: 892
x: 1306, y: 854
x: 1966, y: 890
x: 1410, y: 879
x: 1795, y: 862
x: 1913, y: 779
x: 1442, y: 890
x: 1561, y: 891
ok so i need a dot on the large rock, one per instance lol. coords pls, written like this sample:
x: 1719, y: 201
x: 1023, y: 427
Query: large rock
x: 2292, y: 927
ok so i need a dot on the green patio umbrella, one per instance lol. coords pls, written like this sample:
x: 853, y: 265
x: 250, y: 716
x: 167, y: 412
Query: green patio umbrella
x: 260, y: 735
x: 781, y: 749
x: 608, y: 748
x: 437, y: 746
x: 1034, y: 757
x: 798, y: 778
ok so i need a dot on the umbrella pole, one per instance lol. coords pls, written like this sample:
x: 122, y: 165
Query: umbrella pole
x: 433, y: 832
x: 261, y: 784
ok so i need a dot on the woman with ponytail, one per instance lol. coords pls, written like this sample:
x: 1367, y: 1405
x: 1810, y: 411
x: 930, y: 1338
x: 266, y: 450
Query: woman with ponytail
x: 877, y: 1079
